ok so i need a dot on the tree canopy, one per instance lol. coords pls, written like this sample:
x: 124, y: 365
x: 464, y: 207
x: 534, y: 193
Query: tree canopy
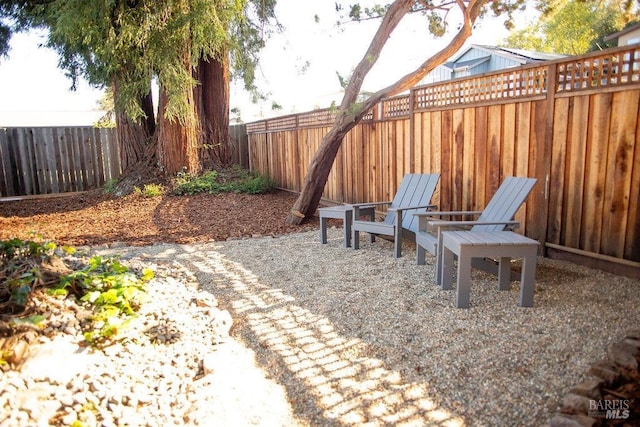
x: 573, y: 27
x: 132, y: 42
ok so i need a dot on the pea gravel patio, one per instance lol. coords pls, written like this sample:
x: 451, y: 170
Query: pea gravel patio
x: 361, y: 338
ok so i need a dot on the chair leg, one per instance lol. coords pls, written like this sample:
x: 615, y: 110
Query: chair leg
x: 464, y: 282
x: 397, y: 247
x: 528, y: 278
x: 420, y: 255
x: 397, y: 241
x: 444, y: 270
x: 323, y: 230
x: 355, y: 239
x: 348, y: 219
x: 504, y: 274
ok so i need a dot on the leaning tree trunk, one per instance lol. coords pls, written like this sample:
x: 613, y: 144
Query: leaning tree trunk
x: 319, y: 170
x: 212, y: 100
x: 351, y: 113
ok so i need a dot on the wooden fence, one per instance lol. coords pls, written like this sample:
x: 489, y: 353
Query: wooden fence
x: 56, y: 159
x: 45, y: 160
x: 572, y: 124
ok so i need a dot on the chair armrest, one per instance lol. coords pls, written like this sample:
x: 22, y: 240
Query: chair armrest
x: 359, y: 205
x: 443, y: 224
x: 444, y: 213
x: 423, y: 217
x: 414, y: 207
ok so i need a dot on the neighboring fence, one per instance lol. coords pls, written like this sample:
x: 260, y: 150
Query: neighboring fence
x: 239, y: 145
x: 56, y: 160
x: 573, y: 124
x: 45, y: 160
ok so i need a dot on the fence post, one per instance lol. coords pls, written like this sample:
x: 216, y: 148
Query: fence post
x: 412, y: 138
x: 548, y: 148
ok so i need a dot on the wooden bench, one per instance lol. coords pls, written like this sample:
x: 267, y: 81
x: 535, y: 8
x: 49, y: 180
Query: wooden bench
x: 345, y: 213
x: 487, y: 244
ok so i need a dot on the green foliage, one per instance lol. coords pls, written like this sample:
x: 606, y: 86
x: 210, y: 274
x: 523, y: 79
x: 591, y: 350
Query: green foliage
x: 186, y: 184
x: 113, y: 291
x: 256, y: 184
x: 18, y: 269
x: 130, y: 43
x: 104, y: 284
x: 573, y: 27
x: 231, y: 180
x: 110, y: 186
x: 149, y: 190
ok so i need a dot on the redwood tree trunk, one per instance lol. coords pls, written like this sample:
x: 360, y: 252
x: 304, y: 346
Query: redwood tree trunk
x: 212, y: 100
x: 136, y: 140
x: 178, y: 140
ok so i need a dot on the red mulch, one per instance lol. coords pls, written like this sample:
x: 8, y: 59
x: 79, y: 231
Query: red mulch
x: 95, y: 218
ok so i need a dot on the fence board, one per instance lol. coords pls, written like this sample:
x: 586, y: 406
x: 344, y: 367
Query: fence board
x: 468, y: 163
x: 556, y: 178
x: 596, y: 159
x: 575, y: 169
x: 481, y: 162
x: 7, y: 177
x: 632, y: 247
x: 624, y: 115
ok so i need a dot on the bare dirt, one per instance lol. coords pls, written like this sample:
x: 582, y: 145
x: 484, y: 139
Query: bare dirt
x: 95, y: 218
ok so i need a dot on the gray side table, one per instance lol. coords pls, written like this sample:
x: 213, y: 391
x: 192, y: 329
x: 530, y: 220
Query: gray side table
x: 480, y: 244
x: 345, y: 213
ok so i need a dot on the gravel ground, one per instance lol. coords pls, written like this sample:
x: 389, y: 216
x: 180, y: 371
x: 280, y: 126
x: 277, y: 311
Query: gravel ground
x: 327, y: 336
x: 360, y: 338
x: 176, y: 366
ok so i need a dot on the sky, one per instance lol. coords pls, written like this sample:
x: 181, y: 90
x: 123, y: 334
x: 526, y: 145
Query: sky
x: 298, y: 67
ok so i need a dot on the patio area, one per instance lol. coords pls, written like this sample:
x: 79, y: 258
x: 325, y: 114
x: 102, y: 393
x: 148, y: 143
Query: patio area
x: 359, y: 337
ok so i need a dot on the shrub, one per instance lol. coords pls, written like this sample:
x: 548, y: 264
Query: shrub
x: 257, y: 184
x: 187, y: 185
x: 110, y: 186
x: 231, y: 180
x: 149, y: 190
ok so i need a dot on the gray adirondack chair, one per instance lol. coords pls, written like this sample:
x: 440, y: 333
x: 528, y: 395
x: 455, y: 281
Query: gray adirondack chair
x: 413, y: 195
x: 496, y: 216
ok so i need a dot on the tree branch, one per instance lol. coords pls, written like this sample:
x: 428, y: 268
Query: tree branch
x: 470, y: 12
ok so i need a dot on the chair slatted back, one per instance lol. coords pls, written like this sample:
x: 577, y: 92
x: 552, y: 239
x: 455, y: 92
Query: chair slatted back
x: 505, y: 202
x: 414, y: 190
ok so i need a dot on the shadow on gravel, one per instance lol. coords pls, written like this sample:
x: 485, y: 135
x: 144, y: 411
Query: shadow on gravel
x: 358, y: 337
x: 331, y: 379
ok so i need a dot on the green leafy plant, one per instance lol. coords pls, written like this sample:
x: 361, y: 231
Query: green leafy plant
x: 104, y: 284
x: 188, y: 185
x: 114, y: 292
x: 231, y: 180
x: 110, y: 186
x: 257, y: 184
x: 149, y: 190
x: 20, y: 271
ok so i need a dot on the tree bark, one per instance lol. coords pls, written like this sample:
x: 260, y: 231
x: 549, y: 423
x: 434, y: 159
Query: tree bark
x: 135, y: 138
x: 212, y: 100
x: 351, y: 113
x: 178, y: 141
x: 137, y: 146
x: 178, y: 138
